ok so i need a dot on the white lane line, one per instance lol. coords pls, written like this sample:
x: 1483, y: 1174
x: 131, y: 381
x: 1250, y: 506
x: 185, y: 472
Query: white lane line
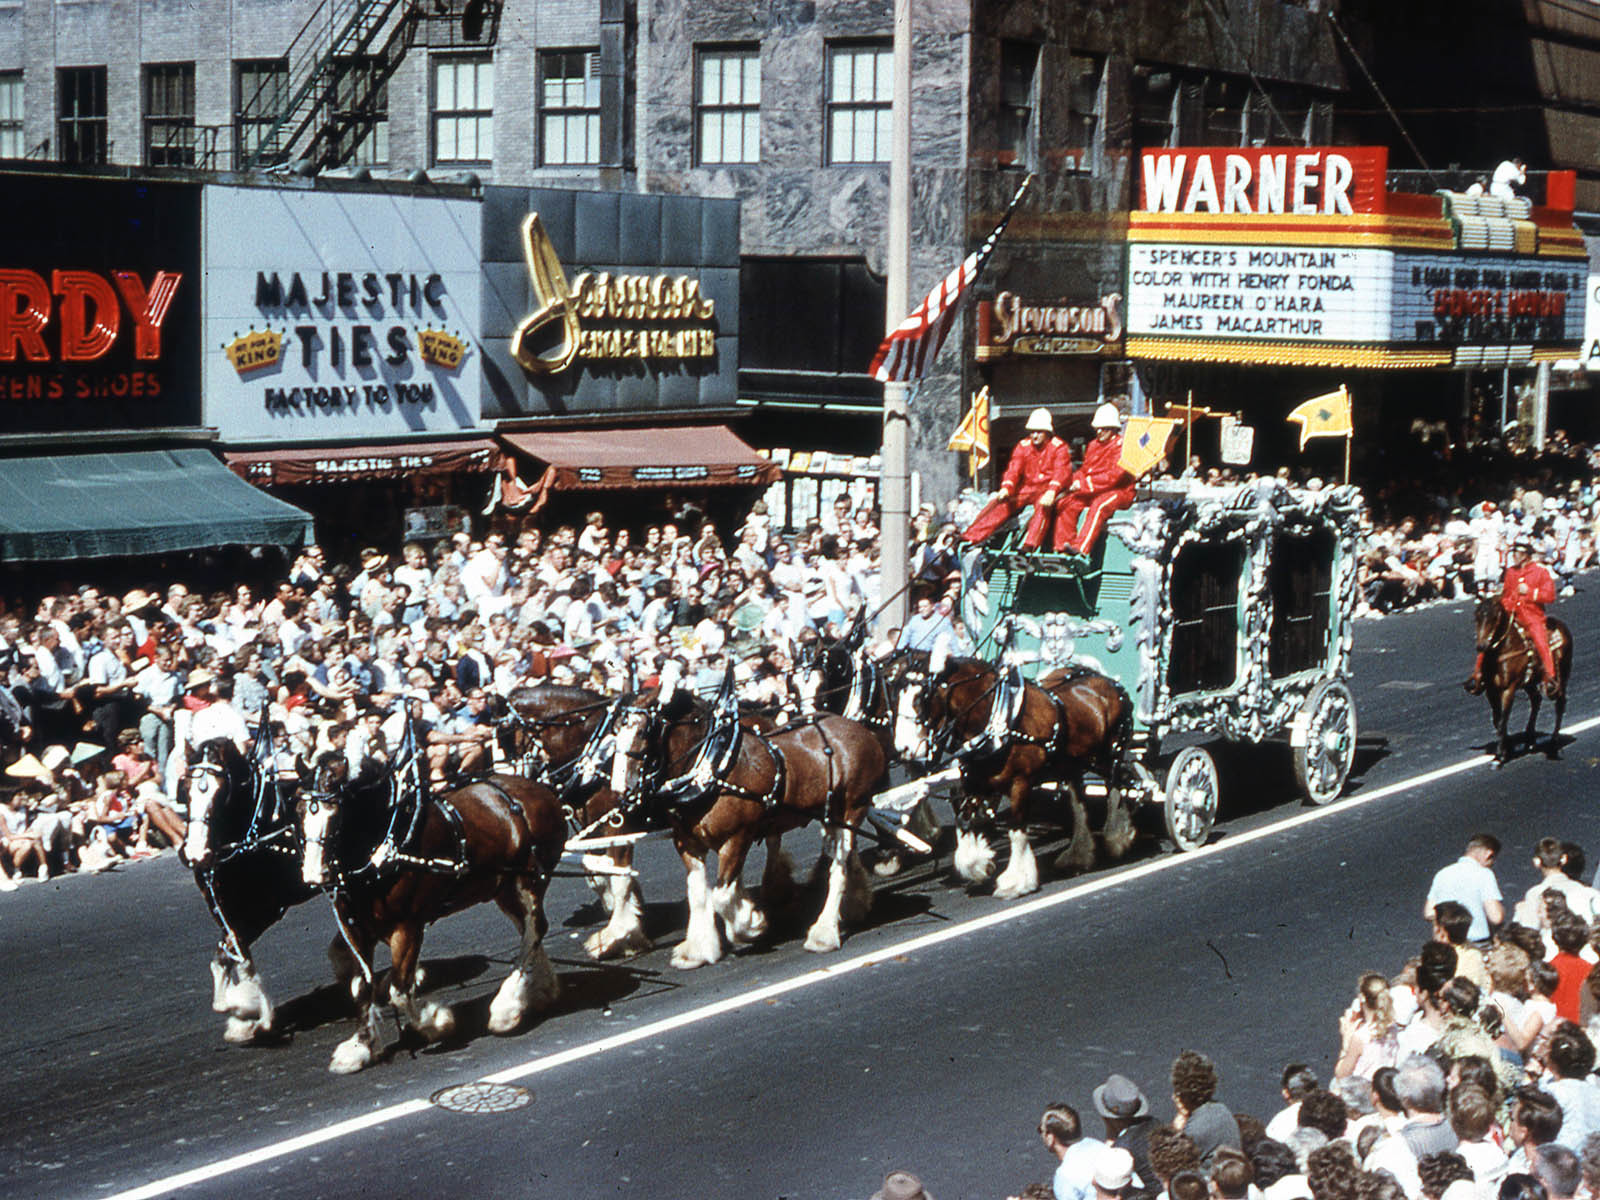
x: 1001, y: 916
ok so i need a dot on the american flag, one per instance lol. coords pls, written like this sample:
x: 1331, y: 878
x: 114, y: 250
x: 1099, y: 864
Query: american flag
x: 909, y: 350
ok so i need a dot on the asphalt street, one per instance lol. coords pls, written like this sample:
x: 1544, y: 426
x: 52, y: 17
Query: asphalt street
x: 931, y: 1041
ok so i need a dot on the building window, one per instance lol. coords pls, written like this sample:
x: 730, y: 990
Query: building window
x: 1226, y: 112
x: 463, y: 109
x: 1084, y: 72
x: 860, y: 101
x: 260, y: 97
x: 360, y: 110
x: 81, y: 115
x: 728, y: 105
x: 569, y: 108
x: 1019, y: 62
x: 1155, y: 103
x: 169, y: 115
x: 11, y: 115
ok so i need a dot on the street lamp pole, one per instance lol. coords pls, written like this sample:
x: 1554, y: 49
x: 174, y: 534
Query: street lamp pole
x: 894, y: 482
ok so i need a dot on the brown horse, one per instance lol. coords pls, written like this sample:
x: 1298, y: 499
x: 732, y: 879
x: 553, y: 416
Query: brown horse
x: 562, y: 736
x: 1510, y: 662
x: 737, y: 785
x: 1008, y: 736
x: 495, y: 839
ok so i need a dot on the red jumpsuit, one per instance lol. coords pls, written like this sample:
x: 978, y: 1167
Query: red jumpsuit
x: 1527, y: 608
x: 1100, y: 487
x: 1032, y: 471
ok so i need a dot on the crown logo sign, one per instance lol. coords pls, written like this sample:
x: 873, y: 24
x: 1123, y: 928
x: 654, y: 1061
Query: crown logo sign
x: 440, y: 348
x: 255, y: 351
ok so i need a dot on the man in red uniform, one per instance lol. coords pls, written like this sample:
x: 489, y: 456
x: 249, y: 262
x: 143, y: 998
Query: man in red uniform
x: 1040, y: 467
x: 1100, y: 487
x: 1525, y: 590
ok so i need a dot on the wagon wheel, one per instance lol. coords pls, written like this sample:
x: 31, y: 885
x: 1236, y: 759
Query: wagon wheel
x: 1324, y: 741
x: 1192, y: 790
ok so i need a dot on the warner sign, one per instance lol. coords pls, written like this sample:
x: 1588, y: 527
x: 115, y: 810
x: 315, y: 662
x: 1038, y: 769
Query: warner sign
x: 1296, y: 180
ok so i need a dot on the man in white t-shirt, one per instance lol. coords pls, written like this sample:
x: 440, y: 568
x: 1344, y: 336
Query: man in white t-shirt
x: 1470, y: 880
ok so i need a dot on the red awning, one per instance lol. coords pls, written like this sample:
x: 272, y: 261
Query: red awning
x: 653, y: 457
x: 392, y: 460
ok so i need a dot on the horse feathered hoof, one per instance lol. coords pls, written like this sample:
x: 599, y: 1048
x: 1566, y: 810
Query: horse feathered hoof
x: 1496, y: 763
x: 352, y: 1055
x: 1473, y: 686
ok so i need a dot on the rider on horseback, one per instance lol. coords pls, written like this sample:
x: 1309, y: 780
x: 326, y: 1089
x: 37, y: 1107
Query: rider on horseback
x: 1526, y: 590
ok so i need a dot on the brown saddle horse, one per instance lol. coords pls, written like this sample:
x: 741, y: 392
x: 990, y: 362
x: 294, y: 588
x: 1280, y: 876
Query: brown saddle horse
x: 1511, y: 663
x: 731, y: 785
x: 496, y: 839
x: 1069, y: 723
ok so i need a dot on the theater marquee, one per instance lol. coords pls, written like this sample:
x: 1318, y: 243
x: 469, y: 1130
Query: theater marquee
x: 1301, y: 257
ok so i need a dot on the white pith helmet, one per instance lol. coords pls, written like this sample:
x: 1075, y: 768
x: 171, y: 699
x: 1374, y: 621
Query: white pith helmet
x: 1039, y: 421
x: 1107, y: 417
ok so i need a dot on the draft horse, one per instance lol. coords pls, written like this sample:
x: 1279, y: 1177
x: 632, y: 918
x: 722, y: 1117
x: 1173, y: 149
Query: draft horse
x: 1510, y: 664
x: 240, y: 842
x: 563, y: 736
x: 396, y: 859
x: 720, y: 785
x: 1008, y: 735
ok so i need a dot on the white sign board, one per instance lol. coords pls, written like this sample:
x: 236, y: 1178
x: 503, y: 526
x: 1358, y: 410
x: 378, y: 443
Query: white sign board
x: 1272, y: 293
x: 339, y: 315
x: 1238, y: 442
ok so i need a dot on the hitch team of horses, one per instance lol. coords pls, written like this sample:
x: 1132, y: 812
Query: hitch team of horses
x: 1206, y: 613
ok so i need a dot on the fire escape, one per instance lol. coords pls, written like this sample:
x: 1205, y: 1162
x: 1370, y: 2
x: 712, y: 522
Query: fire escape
x: 330, y: 92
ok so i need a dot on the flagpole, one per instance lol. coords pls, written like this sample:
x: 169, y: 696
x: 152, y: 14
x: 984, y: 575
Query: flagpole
x: 1188, y: 434
x: 894, y: 489
x: 1350, y: 436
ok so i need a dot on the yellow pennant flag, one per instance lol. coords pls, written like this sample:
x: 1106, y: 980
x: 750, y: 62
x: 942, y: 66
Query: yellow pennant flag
x: 1324, y: 416
x: 972, y: 435
x: 1144, y: 443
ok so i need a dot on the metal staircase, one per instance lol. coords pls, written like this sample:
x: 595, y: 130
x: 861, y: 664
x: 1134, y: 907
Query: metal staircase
x: 339, y: 64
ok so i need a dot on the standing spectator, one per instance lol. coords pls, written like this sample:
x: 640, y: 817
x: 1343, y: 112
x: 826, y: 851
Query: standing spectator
x: 1420, y: 1086
x: 1571, y: 936
x: 1470, y: 880
x: 1569, y: 1059
x: 1368, y: 1032
x: 1076, y: 1155
x: 1200, y: 1115
x: 1535, y: 1121
x: 1114, y: 1176
x: 1559, y: 1169
x: 1451, y: 921
x: 1550, y: 860
x: 924, y: 628
x: 1126, y: 1113
x: 1298, y: 1081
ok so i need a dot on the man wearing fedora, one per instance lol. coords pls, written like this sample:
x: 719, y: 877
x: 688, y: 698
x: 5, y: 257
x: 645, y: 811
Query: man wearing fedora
x: 1126, y: 1113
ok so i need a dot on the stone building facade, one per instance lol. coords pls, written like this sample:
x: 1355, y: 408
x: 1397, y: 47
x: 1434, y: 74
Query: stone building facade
x: 781, y: 105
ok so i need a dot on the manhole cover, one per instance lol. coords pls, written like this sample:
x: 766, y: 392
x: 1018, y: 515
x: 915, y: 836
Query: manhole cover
x: 482, y: 1098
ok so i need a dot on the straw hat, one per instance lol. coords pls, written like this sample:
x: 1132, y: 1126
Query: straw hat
x: 55, y: 757
x: 29, y: 767
x: 199, y: 677
x: 84, y: 751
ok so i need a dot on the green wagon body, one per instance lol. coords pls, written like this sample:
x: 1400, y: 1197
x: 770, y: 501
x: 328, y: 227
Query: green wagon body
x: 1225, y: 611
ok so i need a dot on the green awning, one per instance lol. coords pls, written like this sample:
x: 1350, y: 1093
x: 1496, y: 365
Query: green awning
x: 137, y: 502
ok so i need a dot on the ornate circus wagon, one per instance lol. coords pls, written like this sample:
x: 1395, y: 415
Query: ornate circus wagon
x: 1225, y: 611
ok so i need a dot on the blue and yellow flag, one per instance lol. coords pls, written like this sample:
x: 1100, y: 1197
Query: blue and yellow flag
x: 1144, y: 443
x: 972, y: 435
x: 1324, y: 416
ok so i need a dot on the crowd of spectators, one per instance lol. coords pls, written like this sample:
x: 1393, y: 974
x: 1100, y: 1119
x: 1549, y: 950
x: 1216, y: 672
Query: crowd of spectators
x: 1443, y: 519
x: 1467, y: 1074
x: 103, y: 696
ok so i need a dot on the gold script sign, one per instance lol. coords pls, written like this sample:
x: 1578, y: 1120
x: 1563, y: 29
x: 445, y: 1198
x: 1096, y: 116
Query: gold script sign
x: 562, y: 326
